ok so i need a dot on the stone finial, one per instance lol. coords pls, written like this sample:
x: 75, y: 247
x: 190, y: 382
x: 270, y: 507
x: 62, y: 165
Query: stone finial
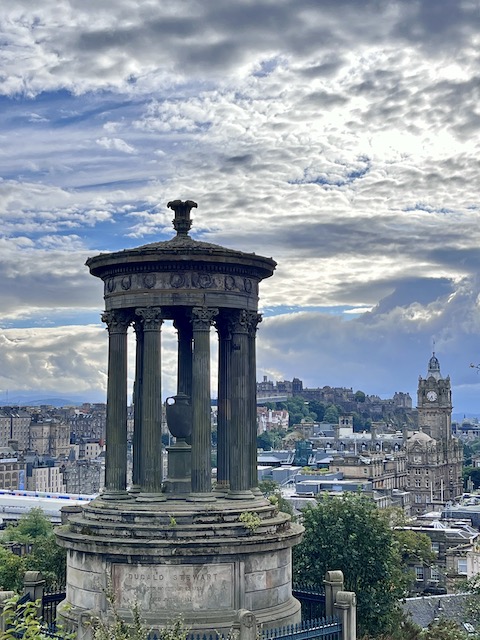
x: 182, y: 221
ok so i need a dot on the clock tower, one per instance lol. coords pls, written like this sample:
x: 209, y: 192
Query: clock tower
x: 435, y: 403
x: 434, y: 456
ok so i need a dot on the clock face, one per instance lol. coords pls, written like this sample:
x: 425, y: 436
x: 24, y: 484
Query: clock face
x: 431, y: 395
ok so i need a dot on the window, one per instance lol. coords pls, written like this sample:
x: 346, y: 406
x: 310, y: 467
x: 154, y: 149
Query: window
x: 434, y: 574
x: 418, y: 498
x: 418, y: 482
x: 419, y: 574
x: 462, y: 566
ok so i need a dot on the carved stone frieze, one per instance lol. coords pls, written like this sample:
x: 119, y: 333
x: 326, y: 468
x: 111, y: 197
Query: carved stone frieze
x: 126, y: 282
x: 176, y: 280
x: 149, y: 280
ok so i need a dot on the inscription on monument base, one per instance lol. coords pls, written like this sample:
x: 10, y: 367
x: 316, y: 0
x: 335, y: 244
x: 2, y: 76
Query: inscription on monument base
x: 175, y: 588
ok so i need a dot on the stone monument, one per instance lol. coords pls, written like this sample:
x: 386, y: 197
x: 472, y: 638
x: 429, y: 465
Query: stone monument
x: 180, y: 546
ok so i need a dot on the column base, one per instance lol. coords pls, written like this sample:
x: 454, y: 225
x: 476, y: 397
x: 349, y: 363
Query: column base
x: 221, y: 488
x: 134, y: 490
x: 201, y: 497
x: 240, y: 495
x: 256, y: 492
x: 115, y: 494
x: 150, y: 497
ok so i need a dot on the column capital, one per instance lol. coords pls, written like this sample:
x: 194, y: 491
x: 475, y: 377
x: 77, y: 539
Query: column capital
x: 238, y: 321
x: 202, y: 318
x: 253, y: 320
x: 117, y: 320
x: 150, y: 317
x: 223, y: 325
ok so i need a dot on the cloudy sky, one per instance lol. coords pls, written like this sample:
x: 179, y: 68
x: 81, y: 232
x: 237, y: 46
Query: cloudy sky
x: 340, y: 137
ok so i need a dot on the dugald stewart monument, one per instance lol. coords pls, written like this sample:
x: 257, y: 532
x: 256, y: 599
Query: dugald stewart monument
x: 180, y: 546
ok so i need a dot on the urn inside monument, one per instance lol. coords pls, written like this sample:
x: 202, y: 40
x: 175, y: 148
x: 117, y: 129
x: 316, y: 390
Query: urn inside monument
x: 179, y: 416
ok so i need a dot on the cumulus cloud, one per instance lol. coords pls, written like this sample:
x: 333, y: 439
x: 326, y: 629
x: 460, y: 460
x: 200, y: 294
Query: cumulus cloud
x: 346, y: 149
x: 116, y: 144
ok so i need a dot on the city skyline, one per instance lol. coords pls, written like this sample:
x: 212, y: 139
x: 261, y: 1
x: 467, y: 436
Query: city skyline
x: 341, y: 140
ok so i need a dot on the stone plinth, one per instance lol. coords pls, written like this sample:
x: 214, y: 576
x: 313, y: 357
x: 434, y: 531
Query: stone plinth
x: 198, y: 561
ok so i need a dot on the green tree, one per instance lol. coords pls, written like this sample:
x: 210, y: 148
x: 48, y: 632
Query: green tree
x: 359, y: 396
x: 349, y: 533
x: 317, y: 408
x: 12, y: 568
x: 46, y: 556
x: 35, y: 529
x: 331, y: 414
x: 264, y: 441
x: 31, y: 526
x: 298, y: 408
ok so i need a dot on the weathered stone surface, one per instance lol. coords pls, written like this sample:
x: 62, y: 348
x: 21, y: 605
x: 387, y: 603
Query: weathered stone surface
x: 180, y: 588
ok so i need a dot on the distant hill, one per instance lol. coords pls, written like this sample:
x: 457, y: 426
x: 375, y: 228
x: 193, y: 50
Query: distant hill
x: 35, y: 400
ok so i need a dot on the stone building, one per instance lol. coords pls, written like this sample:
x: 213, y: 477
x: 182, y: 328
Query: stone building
x: 49, y: 436
x: 45, y: 477
x: 435, y: 457
x: 12, y: 469
x: 15, y: 426
x: 455, y: 547
x: 84, y: 476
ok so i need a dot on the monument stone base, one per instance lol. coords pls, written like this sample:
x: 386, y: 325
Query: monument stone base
x: 201, y: 562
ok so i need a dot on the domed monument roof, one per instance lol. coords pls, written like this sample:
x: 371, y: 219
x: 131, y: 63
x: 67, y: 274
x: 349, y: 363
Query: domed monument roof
x: 181, y: 271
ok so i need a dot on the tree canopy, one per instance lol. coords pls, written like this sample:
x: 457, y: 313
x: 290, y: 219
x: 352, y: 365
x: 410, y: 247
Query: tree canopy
x: 350, y: 534
x: 45, y: 555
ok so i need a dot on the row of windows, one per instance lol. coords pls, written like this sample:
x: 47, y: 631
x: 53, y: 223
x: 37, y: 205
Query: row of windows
x: 435, y: 573
x: 420, y: 573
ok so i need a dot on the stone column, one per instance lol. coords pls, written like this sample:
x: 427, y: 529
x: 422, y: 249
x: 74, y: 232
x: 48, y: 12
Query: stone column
x: 150, y: 474
x: 254, y: 320
x: 202, y: 318
x: 184, y: 356
x: 224, y: 407
x: 239, y: 449
x: 137, y: 407
x: 116, y: 424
